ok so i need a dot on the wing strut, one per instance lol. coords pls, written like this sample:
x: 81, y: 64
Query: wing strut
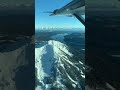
x: 80, y: 18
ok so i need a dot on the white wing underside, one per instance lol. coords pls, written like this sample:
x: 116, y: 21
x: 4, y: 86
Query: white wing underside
x: 75, y: 8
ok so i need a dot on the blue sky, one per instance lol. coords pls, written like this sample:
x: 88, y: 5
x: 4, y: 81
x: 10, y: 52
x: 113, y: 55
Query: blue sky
x: 44, y: 20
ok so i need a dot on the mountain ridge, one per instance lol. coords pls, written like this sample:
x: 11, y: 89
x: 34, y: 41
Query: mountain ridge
x: 54, y: 63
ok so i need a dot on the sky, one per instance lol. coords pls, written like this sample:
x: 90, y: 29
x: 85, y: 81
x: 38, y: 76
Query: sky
x: 43, y: 19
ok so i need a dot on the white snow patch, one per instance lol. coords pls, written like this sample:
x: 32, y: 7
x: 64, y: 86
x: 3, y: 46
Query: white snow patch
x: 83, y: 76
x: 81, y: 62
x: 71, y: 79
x: 74, y: 85
x: 39, y: 88
x: 58, y: 47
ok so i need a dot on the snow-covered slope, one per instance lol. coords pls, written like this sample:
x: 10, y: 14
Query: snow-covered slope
x: 56, y: 68
x: 16, y: 58
x: 13, y: 63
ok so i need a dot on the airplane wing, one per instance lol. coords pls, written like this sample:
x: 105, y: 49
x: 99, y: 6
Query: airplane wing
x: 74, y: 8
